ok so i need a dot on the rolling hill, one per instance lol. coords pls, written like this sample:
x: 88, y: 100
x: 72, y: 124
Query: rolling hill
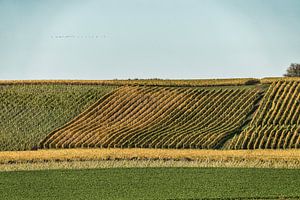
x: 193, y: 114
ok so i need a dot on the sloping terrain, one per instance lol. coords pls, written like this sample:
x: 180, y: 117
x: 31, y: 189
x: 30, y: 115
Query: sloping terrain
x: 158, y: 117
x: 29, y: 112
x: 276, y: 123
x: 229, y: 114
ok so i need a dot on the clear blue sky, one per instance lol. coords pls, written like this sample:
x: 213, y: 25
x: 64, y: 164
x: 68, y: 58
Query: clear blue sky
x: 64, y: 39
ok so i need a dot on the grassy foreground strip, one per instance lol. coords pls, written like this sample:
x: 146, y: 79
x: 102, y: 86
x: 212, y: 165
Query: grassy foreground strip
x: 152, y: 183
x: 106, y: 158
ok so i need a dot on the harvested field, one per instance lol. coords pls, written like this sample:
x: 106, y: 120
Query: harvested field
x: 146, y: 154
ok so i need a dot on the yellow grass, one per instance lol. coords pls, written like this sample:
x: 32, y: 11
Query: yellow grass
x: 146, y: 163
x: 269, y: 80
x: 116, y: 158
x: 145, y: 154
x: 125, y: 158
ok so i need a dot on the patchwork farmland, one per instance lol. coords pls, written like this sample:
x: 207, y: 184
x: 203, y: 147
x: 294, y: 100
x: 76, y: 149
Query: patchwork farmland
x: 179, y: 114
x: 137, y: 139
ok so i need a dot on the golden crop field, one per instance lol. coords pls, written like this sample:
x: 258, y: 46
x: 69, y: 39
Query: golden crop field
x: 153, y: 117
x: 70, y: 114
x: 136, y: 157
x: 142, y: 154
x: 276, y: 123
x: 270, y: 80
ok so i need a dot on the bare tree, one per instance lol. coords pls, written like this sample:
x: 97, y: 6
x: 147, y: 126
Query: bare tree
x: 293, y: 70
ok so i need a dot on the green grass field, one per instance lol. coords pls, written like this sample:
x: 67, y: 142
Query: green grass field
x: 152, y: 183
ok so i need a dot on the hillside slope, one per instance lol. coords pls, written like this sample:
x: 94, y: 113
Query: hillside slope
x: 158, y: 117
x: 151, y: 114
x: 276, y: 123
x: 29, y: 112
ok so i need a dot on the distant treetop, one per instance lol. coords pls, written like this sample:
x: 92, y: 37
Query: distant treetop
x: 293, y: 70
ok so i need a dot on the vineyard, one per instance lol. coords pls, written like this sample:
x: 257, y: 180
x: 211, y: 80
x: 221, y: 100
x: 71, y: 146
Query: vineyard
x: 276, y: 124
x: 177, y: 114
x: 155, y: 117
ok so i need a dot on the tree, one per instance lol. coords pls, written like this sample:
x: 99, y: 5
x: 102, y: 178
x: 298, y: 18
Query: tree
x: 293, y: 70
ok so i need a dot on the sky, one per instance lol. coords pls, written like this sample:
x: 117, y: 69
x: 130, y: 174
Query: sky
x: 169, y: 39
